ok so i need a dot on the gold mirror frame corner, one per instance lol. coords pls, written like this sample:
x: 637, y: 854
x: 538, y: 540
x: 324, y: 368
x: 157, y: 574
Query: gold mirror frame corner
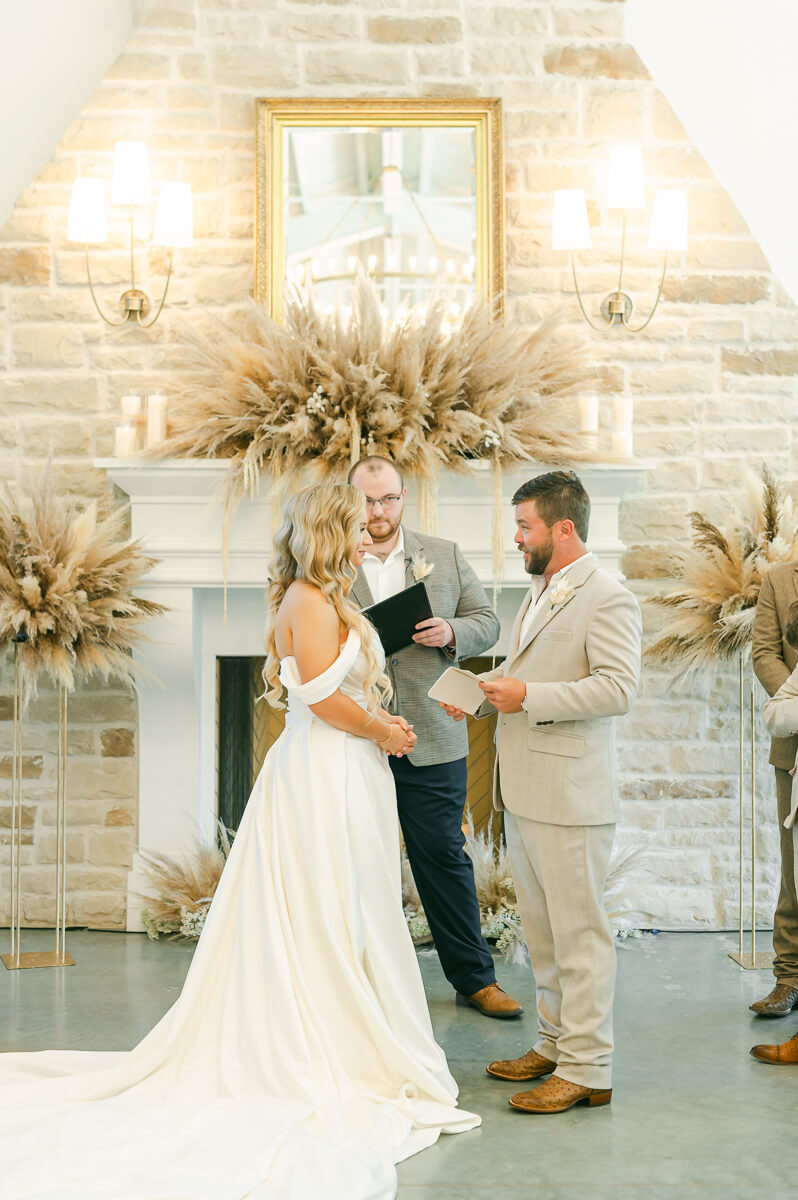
x: 483, y: 114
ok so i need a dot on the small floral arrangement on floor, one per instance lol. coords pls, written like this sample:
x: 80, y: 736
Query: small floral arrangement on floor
x: 183, y: 888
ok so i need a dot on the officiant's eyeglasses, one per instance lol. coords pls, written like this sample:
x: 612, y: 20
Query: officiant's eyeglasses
x: 384, y: 502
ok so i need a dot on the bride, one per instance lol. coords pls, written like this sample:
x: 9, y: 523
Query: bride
x: 299, y: 1060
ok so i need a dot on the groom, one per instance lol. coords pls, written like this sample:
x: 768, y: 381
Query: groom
x: 431, y: 780
x: 572, y: 666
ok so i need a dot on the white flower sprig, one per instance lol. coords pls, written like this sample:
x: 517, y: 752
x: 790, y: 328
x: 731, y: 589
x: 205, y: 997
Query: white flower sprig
x: 317, y: 403
x: 491, y: 440
x: 419, y: 566
x: 560, y: 593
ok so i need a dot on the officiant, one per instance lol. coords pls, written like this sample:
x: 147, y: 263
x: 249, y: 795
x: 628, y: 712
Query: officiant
x: 431, y: 780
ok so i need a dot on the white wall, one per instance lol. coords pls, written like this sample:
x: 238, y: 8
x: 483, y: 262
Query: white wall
x: 727, y: 68
x: 53, y: 54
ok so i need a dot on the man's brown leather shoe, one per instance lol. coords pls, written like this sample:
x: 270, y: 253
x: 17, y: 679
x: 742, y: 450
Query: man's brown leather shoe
x: 558, y: 1095
x: 529, y: 1066
x: 787, y: 1052
x: 491, y: 1001
x: 778, y: 1003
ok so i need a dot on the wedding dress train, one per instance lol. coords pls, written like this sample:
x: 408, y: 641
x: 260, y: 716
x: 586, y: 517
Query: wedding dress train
x: 299, y: 1060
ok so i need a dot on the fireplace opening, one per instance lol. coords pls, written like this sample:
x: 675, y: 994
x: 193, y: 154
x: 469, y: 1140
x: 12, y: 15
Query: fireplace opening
x: 247, y: 726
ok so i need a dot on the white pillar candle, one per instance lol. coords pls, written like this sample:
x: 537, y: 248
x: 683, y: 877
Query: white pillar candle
x: 622, y: 444
x: 125, y: 441
x: 589, y: 413
x: 156, y: 418
x: 622, y: 417
x: 131, y: 406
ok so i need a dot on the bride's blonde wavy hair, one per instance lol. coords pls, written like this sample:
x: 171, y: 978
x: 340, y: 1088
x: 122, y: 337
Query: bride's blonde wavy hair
x: 316, y: 543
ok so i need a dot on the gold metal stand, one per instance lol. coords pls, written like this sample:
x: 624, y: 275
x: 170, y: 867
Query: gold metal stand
x: 15, y: 960
x: 750, y: 961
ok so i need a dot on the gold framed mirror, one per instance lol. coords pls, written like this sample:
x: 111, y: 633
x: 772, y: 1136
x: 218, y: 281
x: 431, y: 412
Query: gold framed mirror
x: 409, y: 191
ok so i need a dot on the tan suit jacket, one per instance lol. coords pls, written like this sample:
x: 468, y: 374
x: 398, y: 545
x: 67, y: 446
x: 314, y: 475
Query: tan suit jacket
x: 774, y: 658
x: 580, y: 661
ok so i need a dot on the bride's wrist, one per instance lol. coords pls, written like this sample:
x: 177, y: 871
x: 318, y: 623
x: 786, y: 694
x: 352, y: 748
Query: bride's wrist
x: 385, y: 738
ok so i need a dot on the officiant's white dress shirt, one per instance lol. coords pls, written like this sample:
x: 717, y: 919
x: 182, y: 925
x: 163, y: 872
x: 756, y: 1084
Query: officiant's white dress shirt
x: 387, y: 578
x: 535, y: 605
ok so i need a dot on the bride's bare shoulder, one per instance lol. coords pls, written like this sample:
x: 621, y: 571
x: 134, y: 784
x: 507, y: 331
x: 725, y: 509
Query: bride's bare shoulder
x: 304, y: 610
x: 302, y: 597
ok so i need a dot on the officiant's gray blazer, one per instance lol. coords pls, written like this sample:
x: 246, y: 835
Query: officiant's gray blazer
x: 580, y: 661
x: 455, y: 594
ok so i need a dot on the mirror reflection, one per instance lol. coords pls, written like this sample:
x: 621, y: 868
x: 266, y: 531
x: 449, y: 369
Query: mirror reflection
x: 399, y: 203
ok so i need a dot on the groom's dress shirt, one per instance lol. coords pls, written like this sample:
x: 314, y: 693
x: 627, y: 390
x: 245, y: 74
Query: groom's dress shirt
x: 386, y: 578
x: 544, y: 590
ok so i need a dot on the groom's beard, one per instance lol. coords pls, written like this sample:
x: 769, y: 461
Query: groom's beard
x: 536, y: 560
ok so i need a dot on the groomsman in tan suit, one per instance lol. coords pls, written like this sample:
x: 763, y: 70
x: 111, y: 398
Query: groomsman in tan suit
x: 573, y: 665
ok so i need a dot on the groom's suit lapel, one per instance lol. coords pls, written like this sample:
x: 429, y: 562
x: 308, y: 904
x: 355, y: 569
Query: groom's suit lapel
x: 578, y: 575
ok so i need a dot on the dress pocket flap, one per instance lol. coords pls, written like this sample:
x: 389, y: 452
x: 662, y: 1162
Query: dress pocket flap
x: 557, y: 635
x: 570, y: 745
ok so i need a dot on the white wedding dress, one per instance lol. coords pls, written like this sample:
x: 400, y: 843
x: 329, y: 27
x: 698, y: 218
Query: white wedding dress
x: 299, y: 1061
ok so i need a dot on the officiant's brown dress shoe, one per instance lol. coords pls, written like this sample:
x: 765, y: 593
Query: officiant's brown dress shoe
x: 778, y: 1003
x: 529, y: 1066
x: 787, y: 1052
x: 558, y: 1095
x: 491, y: 1001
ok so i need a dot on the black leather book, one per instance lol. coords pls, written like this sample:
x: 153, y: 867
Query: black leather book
x: 395, y: 619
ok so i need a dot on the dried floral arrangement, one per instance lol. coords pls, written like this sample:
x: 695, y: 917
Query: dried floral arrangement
x: 710, y: 617
x: 184, y: 888
x: 321, y: 389
x: 67, y: 579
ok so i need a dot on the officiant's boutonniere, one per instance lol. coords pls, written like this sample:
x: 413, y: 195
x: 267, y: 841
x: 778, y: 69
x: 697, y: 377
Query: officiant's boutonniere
x: 560, y: 593
x: 419, y: 566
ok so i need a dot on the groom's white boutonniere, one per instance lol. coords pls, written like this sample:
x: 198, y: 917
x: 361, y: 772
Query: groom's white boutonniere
x: 560, y: 593
x: 419, y: 566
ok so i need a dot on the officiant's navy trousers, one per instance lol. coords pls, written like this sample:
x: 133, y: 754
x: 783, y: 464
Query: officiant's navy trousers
x: 431, y: 802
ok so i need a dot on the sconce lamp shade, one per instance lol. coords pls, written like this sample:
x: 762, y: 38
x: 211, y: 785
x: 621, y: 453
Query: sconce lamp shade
x: 131, y: 178
x: 174, y: 224
x: 87, y: 212
x: 669, y: 220
x: 625, y: 181
x: 570, y: 229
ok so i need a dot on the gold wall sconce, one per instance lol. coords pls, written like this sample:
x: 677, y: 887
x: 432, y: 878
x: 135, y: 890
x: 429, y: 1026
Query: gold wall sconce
x: 625, y: 191
x: 130, y: 188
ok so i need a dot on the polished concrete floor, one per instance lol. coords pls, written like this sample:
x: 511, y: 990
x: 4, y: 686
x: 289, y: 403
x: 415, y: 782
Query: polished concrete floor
x: 692, y: 1114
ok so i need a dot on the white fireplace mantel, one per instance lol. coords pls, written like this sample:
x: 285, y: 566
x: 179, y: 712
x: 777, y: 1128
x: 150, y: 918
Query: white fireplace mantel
x: 177, y: 513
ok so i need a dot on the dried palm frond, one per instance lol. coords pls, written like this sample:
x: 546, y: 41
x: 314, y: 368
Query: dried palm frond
x: 321, y: 388
x: 711, y: 616
x: 66, y: 587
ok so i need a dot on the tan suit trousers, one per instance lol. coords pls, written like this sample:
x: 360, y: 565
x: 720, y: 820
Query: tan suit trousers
x: 785, y: 921
x: 560, y: 872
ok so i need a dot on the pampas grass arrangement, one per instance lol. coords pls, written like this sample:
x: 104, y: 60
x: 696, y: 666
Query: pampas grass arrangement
x: 67, y: 579
x: 711, y: 614
x: 322, y: 389
x: 184, y: 888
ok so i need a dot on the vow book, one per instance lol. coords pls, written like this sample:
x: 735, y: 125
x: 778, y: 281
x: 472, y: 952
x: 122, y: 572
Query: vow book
x: 395, y: 619
x: 459, y: 688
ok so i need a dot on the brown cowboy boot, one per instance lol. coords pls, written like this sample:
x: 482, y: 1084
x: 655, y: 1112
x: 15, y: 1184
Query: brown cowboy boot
x: 787, y: 1052
x: 778, y: 1003
x: 491, y: 1001
x: 529, y: 1066
x: 557, y: 1095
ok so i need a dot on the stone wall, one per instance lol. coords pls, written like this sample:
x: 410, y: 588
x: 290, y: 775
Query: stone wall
x: 714, y: 376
